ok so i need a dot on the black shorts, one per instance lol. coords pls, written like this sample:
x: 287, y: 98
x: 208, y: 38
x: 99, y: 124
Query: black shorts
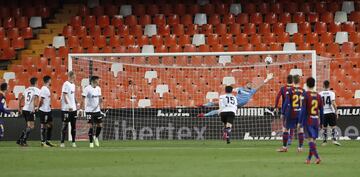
x: 45, y: 117
x: 329, y: 119
x: 227, y: 117
x: 68, y: 116
x: 94, y: 117
x: 28, y: 116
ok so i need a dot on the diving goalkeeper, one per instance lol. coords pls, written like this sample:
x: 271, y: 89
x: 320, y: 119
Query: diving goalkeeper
x: 243, y: 96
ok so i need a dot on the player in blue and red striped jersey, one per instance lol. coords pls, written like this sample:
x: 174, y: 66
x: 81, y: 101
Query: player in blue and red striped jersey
x: 312, y: 112
x: 291, y: 109
x: 282, y: 94
x: 3, y: 110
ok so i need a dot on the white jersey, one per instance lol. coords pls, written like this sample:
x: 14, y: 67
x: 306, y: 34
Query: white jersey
x: 328, y: 97
x: 228, y: 103
x: 92, y: 98
x: 29, y: 95
x: 46, y: 95
x: 69, y: 89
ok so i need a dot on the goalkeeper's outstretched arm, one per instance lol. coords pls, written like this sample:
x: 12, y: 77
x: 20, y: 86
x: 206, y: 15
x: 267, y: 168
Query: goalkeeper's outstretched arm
x: 268, y: 78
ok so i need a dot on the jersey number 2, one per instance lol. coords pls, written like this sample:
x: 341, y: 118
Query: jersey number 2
x: 314, y: 105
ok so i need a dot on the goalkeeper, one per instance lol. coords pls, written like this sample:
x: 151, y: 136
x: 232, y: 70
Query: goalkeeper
x: 243, y: 96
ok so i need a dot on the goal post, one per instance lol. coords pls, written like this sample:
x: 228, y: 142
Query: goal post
x: 156, y: 95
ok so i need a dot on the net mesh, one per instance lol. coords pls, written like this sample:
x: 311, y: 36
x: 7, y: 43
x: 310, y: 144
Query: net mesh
x: 159, y: 97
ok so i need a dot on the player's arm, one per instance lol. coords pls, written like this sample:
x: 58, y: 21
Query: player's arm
x: 269, y: 76
x: 286, y: 104
x: 321, y: 110
x: 335, y: 105
x: 303, y: 111
x: 277, y: 99
x: 21, y: 99
x: 2, y: 106
x: 36, y: 102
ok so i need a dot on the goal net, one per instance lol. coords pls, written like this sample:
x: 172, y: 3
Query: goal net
x: 156, y: 96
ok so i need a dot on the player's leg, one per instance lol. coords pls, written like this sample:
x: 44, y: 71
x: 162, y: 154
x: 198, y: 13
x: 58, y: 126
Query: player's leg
x: 291, y: 136
x: 312, y: 134
x: 301, y: 138
x: 332, y: 123
x: 99, y: 125
x: 65, y: 122
x: 90, y: 119
x: 73, y: 127
x: 285, y: 135
x: 43, y: 128
x: 325, y: 124
x: 209, y: 114
x: 49, y: 127
x: 29, y: 120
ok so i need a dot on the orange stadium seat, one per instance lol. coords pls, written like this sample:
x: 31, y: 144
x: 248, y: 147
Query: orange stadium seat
x: 139, y: 9
x: 161, y: 49
x: 189, y: 48
x: 235, y: 29
x: 333, y: 48
x: 207, y: 29
x: 117, y: 21
x: 354, y: 37
x: 285, y: 17
x: 170, y: 40
x: 241, y: 39
x: 184, y: 39
x: 250, y: 8
x: 115, y: 41
x: 178, y: 29
x: 111, y: 10
x: 250, y: 28
x: 209, y: 9
x: 81, y: 31
x: 49, y: 52
x: 133, y: 49
x: 180, y: 9
x: 120, y: 49
x: 100, y: 41
x: 9, y: 22
x: 13, y: 33
x: 68, y: 31
x: 136, y: 30
x: 157, y: 40
x: 271, y: 18
x: 129, y: 40
x: 355, y: 16
x: 326, y: 17
x: 275, y: 47
x: 255, y: 39
x: 227, y: 39
x: 277, y: 7
x: 173, y: 19
x: 349, y: 27
x: 83, y: 10
x: 2, y: 32
x: 299, y: 17
x: 304, y: 46
x: 109, y: 31
x: 217, y: 48
x: 304, y: 28
x: 312, y: 17
x: 87, y: 41
x: 131, y: 20
x: 95, y: 30
x: 242, y: 18
x: 247, y: 47
x: 164, y: 30
x: 213, y: 39
x: 76, y: 21
x: 152, y: 9
x: 312, y: 38
x: 283, y: 37
x: 78, y: 49
x: 268, y: 38
x: 204, y: 48
x: 175, y: 48
x: 63, y: 52
x: 320, y: 7
x: 333, y: 7
x: 166, y: 9
x: 263, y: 7
x: 221, y: 29
x: 73, y: 41
x: 298, y: 38
x: 233, y: 48
x: 145, y: 20
x: 264, y: 28
x: 123, y: 30
x: 327, y: 38
x: 187, y: 19
x: 320, y: 48
x: 159, y: 19
x: 320, y: 27
x: 278, y: 28
x: 22, y: 22
x: 347, y: 48
x: 291, y: 7
x: 90, y: 21
x: 214, y: 19
x: 256, y: 18
x: 142, y: 40
x: 97, y: 11
x: 192, y: 29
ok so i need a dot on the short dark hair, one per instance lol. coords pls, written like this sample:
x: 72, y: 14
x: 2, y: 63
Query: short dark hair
x: 33, y: 80
x: 228, y: 89
x: 289, y: 79
x: 310, y: 82
x: 296, y: 79
x: 71, y: 73
x: 94, y: 78
x: 326, y: 84
x: 46, y: 79
x: 3, y: 86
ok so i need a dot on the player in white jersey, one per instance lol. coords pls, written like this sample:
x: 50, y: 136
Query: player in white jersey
x: 228, y: 106
x: 330, y: 113
x: 31, y: 98
x: 45, y: 114
x: 92, y: 104
x: 68, y: 108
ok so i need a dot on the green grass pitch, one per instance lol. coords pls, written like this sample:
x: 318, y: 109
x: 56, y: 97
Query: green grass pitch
x: 176, y: 159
